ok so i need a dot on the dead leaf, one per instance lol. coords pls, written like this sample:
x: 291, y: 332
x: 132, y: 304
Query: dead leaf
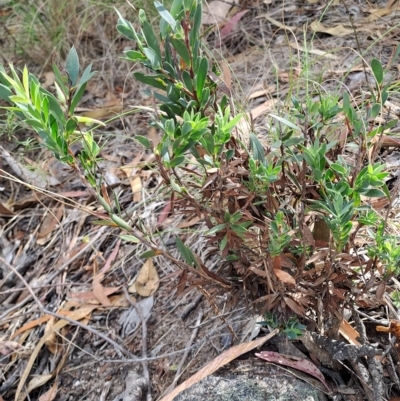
x: 130, y: 319
x: 49, y: 78
x: 88, y: 296
x: 78, y: 314
x: 50, y: 394
x: 338, y: 30
x: 99, y: 290
x: 30, y: 177
x: 317, y: 52
x: 227, y: 29
x: 111, y: 258
x: 37, y: 381
x: 226, y: 74
x: 294, y: 306
x: 189, y: 223
x: 284, y: 277
x: 349, y: 333
x: 164, y: 213
x: 297, y: 363
x: 147, y: 281
x: 380, y: 290
x: 216, y: 11
x: 263, y: 108
x: 30, y: 325
x: 321, y: 231
x: 136, y: 185
x: 9, y: 347
x: 219, y: 361
x: 51, y: 338
x: 5, y: 210
x: 50, y: 221
x: 308, y: 236
x: 153, y: 136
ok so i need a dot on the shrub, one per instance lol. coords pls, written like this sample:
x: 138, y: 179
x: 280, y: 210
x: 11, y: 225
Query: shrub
x: 289, y: 217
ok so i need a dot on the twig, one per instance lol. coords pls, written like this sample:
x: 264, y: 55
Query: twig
x: 145, y: 362
x: 173, y: 353
x: 382, y: 322
x: 55, y: 273
x: 120, y: 350
x: 185, y: 355
x: 191, y: 306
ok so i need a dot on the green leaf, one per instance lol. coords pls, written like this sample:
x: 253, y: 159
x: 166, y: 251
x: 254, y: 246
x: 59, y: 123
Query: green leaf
x: 185, y: 252
x: 153, y: 58
x: 148, y: 254
x: 216, y: 228
x: 176, y: 161
x: 103, y: 223
x: 151, y: 40
x: 224, y: 242
x: 76, y: 98
x: 165, y: 15
x: 87, y: 75
x: 374, y: 193
x: 377, y: 69
x: 130, y: 238
x: 150, y: 80
x: 134, y: 55
x: 257, y: 148
x: 143, y: 141
x: 59, y: 79
x: 201, y: 75
x: 286, y: 122
x: 126, y: 31
x: 181, y: 49
x: 195, y: 31
x: 5, y: 93
x: 72, y: 66
x: 376, y: 108
x: 346, y: 102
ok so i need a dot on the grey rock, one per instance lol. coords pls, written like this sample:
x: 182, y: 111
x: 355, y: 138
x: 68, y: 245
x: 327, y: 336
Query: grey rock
x: 252, y: 387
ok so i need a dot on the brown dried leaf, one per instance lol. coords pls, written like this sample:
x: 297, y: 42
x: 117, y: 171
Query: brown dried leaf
x: 147, y: 281
x: 321, y: 231
x: 78, y: 314
x: 37, y: 381
x: 111, y: 258
x: 226, y: 72
x: 294, y: 306
x: 348, y: 332
x: 30, y: 325
x: 284, y: 277
x: 227, y: 29
x: 297, y: 363
x: 88, y: 296
x: 338, y: 30
x: 99, y: 290
x: 221, y: 360
x: 5, y: 210
x: 215, y: 11
x: 50, y: 394
x: 380, y: 290
x: 9, y: 347
x: 308, y: 236
x: 164, y: 213
x: 136, y: 185
x: 51, y: 338
x: 50, y: 221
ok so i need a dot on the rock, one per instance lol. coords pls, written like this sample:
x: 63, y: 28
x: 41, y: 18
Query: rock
x: 273, y: 384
